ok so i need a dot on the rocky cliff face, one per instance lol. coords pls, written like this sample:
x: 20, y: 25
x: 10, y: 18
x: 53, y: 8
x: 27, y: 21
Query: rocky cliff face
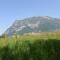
x: 34, y: 24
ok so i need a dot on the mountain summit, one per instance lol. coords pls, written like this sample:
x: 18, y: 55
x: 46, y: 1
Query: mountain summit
x: 34, y: 24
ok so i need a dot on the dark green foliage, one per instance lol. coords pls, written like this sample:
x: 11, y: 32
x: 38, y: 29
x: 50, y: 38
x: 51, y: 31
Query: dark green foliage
x: 26, y: 50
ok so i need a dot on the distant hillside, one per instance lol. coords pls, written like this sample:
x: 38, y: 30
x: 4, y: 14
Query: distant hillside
x: 34, y: 24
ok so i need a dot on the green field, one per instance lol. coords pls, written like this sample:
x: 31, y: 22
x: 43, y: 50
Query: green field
x: 43, y: 46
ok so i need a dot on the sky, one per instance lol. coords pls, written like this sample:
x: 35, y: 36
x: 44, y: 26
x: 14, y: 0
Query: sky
x: 11, y: 10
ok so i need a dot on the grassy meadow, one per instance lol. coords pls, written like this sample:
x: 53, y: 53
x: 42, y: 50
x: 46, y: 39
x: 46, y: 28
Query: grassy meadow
x: 35, y: 46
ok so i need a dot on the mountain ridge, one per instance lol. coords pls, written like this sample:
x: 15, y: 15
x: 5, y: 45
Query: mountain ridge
x: 34, y: 24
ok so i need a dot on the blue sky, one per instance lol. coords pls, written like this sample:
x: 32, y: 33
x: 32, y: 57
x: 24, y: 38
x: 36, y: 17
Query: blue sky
x: 11, y: 10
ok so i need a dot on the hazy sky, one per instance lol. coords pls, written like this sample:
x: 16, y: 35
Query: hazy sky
x: 11, y: 10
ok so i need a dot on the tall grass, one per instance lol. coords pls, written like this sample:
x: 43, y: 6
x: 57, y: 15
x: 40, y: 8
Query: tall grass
x: 30, y: 47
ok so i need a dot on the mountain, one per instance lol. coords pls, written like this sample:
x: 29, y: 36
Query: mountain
x: 34, y: 24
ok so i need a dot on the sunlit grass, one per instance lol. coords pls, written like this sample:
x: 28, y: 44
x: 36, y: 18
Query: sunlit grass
x: 37, y: 46
x: 30, y: 37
